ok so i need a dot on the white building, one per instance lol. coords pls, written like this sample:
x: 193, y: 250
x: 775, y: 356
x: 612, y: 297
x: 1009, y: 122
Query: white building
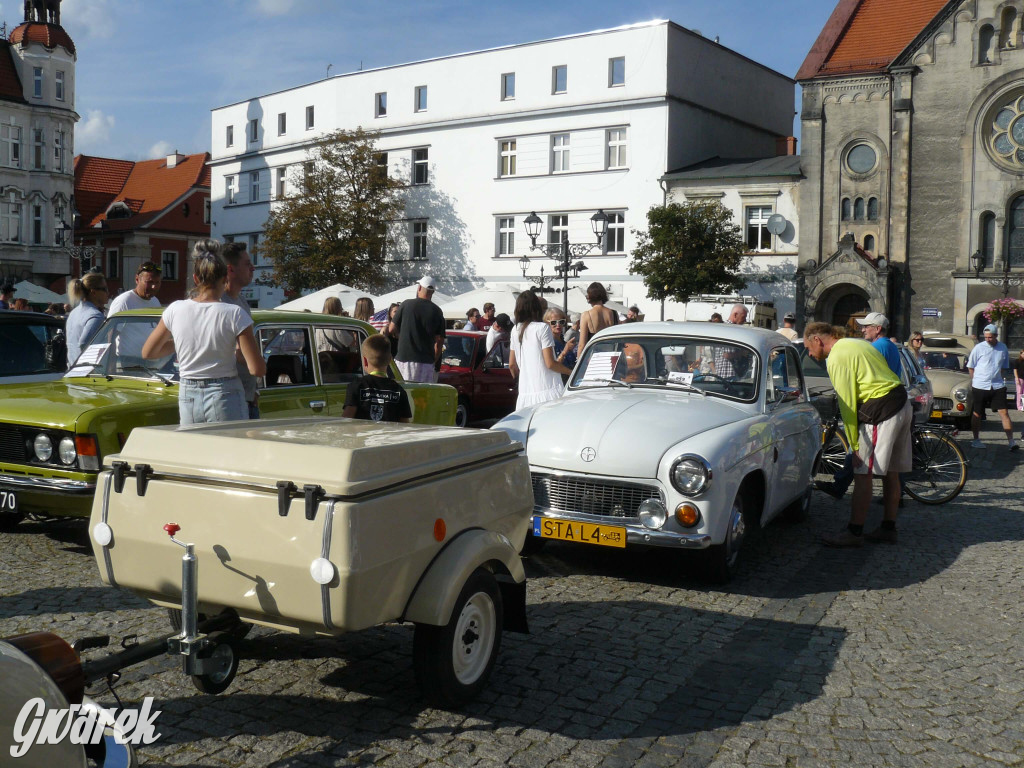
x: 563, y: 127
x: 37, y: 120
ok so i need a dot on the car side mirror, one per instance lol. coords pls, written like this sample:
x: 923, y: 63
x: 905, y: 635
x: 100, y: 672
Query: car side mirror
x: 491, y: 363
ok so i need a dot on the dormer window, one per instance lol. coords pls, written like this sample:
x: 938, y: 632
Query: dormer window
x: 119, y: 210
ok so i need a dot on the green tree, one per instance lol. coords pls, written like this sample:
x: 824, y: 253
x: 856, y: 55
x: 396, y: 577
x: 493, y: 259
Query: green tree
x: 333, y: 229
x: 688, y: 248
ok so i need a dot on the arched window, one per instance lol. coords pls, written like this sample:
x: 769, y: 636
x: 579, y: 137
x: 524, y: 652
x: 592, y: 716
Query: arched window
x: 869, y: 244
x: 985, y: 37
x: 858, y: 209
x: 988, y: 238
x: 1008, y: 31
x: 847, y: 209
x: 1015, y: 236
x: 873, y: 208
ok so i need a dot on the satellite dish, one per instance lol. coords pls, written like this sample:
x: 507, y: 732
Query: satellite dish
x: 776, y: 224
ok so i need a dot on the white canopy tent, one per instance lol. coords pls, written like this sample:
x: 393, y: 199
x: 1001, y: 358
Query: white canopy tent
x: 578, y: 302
x: 36, y: 294
x: 503, y: 296
x: 399, y: 295
x: 314, y: 302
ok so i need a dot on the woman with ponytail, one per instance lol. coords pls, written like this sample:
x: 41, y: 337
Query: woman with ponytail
x: 205, y: 333
x: 89, y: 296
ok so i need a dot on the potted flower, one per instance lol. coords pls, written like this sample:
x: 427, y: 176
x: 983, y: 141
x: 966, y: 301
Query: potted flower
x: 1003, y: 311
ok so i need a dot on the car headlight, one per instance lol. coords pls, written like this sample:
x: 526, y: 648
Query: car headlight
x: 42, y: 446
x: 960, y: 395
x: 652, y: 513
x: 691, y: 475
x: 66, y: 451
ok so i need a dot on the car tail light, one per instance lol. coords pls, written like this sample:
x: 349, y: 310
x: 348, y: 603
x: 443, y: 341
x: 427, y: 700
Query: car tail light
x: 88, y: 450
x: 57, y: 659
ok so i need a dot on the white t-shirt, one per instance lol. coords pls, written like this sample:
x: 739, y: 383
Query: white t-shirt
x: 133, y: 335
x: 205, y: 336
x: 537, y: 382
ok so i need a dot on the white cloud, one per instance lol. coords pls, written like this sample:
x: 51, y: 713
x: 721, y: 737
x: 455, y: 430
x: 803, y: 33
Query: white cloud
x: 93, y: 131
x: 274, y: 7
x: 160, y: 149
x: 94, y: 19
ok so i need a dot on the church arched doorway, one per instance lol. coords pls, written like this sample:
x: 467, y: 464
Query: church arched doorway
x: 841, y: 303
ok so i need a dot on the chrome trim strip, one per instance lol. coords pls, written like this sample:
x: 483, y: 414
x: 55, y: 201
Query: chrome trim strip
x: 325, y: 551
x: 47, y: 484
x: 636, y: 534
x: 107, y: 484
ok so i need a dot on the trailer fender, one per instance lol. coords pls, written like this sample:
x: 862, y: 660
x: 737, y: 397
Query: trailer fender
x: 434, y: 597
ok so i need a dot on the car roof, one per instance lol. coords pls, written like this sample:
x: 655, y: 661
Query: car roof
x: 21, y: 317
x: 743, y: 334
x: 274, y: 316
x: 461, y: 332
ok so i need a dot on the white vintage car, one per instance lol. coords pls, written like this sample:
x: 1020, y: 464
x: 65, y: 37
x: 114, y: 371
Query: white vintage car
x: 683, y: 435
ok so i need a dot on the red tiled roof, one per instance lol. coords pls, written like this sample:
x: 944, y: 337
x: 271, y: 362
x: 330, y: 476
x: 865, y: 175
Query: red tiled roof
x: 867, y: 35
x: 146, y: 187
x: 10, y: 83
x: 50, y: 35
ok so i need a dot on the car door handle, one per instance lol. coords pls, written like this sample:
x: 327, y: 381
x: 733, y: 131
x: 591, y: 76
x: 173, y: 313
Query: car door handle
x: 317, y: 405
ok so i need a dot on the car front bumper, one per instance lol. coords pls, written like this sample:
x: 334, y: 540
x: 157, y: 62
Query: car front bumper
x: 51, y: 495
x: 636, y: 533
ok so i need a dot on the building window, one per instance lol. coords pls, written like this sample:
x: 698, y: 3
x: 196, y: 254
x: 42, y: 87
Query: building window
x: 310, y: 117
x: 307, y: 174
x: 758, y: 236
x: 37, y: 225
x: 169, y: 262
x: 11, y: 223
x: 380, y: 161
x: 858, y: 209
x: 279, y: 190
x: 560, y: 153
x: 419, y: 240
x: 861, y: 159
x: 558, y: 228
x: 253, y: 248
x: 508, y: 158
x: 988, y: 239
x: 616, y: 71
x: 508, y: 86
x: 229, y: 136
x: 559, y: 78
x: 37, y: 82
x: 615, y: 239
x: 869, y: 244
x: 229, y: 190
x: 617, y: 148
x: 58, y: 151
x: 420, y: 173
x: 38, y: 149
x: 254, y: 130
x: 10, y: 137
x: 282, y: 123
x: 847, y: 209
x: 1015, y: 236
x: 506, y: 236
x: 420, y: 99
x: 380, y: 102
x: 873, y: 209
x: 58, y: 221
x: 254, y: 186
x: 113, y: 263
x: 58, y: 85
x: 206, y: 211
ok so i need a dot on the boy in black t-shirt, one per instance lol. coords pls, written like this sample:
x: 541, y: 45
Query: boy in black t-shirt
x: 375, y: 396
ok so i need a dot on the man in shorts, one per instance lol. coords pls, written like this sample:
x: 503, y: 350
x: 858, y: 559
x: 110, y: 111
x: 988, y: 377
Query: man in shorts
x: 985, y: 364
x: 419, y: 326
x: 877, y: 417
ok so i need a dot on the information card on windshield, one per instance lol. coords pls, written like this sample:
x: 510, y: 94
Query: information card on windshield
x: 92, y: 356
x: 600, y: 367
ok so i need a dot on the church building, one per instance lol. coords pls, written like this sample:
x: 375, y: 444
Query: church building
x: 913, y: 154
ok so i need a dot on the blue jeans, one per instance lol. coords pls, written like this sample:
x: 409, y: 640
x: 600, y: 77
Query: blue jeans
x: 201, y: 401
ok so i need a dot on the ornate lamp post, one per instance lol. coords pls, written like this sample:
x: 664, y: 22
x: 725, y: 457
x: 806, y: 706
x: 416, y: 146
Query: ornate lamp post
x: 542, y: 282
x: 83, y: 254
x: 1006, y: 280
x: 564, y: 252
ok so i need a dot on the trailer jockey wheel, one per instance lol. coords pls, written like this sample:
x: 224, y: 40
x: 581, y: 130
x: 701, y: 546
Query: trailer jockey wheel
x: 223, y: 658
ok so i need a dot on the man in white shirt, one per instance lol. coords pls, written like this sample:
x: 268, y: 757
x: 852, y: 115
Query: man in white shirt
x: 134, y: 335
x: 985, y: 364
x: 788, y: 330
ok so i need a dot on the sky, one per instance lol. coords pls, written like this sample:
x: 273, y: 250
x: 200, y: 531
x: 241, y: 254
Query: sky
x: 150, y: 71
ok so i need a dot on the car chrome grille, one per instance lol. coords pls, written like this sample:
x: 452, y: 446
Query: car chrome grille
x: 12, y: 445
x: 942, y: 404
x: 562, y: 493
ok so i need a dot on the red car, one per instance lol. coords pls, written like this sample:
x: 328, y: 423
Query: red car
x: 485, y: 384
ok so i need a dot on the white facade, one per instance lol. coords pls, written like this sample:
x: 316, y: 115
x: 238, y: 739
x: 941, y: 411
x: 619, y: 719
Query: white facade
x: 585, y: 122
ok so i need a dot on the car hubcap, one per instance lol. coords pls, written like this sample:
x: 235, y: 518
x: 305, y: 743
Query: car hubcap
x: 734, y: 538
x: 474, y: 638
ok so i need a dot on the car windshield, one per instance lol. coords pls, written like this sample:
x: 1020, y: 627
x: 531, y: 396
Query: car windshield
x: 24, y: 346
x: 458, y: 351
x: 710, y: 366
x: 948, y: 360
x: 116, y: 350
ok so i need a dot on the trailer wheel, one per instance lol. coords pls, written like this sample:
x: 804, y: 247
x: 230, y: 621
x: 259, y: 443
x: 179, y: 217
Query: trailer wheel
x: 452, y: 663
x: 222, y: 652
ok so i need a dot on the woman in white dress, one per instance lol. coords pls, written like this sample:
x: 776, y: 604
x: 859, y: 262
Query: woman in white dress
x: 532, y: 357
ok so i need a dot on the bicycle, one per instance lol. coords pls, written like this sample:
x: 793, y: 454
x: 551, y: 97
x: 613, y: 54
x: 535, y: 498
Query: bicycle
x: 939, y: 470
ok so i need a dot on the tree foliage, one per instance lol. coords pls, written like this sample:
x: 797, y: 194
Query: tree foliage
x: 688, y: 248
x: 334, y: 227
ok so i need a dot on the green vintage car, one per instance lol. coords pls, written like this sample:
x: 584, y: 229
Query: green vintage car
x: 54, y: 434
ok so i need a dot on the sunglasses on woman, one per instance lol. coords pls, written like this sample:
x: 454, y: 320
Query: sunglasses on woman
x: 557, y: 322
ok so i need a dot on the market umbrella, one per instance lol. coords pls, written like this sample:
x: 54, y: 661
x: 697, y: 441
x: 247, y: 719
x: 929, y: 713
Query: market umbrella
x: 502, y: 295
x: 36, y: 294
x: 578, y: 302
x: 399, y: 295
x: 314, y: 302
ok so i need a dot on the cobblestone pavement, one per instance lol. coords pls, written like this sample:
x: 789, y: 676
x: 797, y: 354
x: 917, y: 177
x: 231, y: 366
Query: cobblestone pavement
x: 885, y: 656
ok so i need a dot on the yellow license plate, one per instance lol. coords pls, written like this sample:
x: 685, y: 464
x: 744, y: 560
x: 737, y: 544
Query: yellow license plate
x: 582, y: 533
x: 936, y: 414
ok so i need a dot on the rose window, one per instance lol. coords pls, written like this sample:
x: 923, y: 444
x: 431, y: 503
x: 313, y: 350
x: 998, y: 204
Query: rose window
x: 1008, y: 133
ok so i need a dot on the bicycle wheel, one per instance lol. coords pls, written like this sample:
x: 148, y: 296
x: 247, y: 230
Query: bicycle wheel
x: 940, y: 469
x: 833, y: 457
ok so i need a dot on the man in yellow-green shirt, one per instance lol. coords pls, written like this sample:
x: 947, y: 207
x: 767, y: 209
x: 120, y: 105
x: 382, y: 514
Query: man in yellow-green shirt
x: 877, y: 416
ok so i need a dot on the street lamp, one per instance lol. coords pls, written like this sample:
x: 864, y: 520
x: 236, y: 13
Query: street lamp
x: 542, y: 282
x: 563, y: 252
x: 83, y: 254
x: 1005, y: 281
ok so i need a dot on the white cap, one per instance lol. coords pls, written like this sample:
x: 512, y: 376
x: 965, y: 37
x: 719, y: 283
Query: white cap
x: 874, y: 318
x: 991, y: 328
x: 427, y: 282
